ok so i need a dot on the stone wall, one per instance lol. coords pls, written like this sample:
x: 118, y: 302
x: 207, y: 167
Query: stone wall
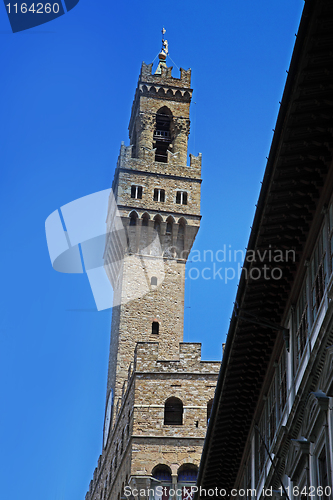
x: 139, y: 440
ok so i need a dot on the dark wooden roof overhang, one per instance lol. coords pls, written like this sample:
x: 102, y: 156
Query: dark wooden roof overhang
x: 297, y: 168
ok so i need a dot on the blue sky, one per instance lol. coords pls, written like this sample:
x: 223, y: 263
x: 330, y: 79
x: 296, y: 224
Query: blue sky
x: 66, y: 94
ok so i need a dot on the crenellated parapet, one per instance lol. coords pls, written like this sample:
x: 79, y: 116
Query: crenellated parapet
x: 146, y: 75
x: 147, y: 163
x: 147, y: 359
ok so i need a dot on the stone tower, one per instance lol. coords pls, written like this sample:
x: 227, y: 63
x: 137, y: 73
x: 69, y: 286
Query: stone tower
x: 159, y: 391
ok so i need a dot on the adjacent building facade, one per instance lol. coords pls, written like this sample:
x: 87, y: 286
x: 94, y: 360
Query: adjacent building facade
x: 159, y: 392
x: 271, y: 430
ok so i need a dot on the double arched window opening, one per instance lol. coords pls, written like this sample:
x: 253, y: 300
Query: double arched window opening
x: 162, y: 134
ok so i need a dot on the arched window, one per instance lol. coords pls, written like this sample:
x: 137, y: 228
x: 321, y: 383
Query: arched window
x: 162, y: 473
x: 145, y: 220
x: 154, y: 237
x: 209, y: 409
x: 173, y: 412
x: 153, y: 280
x: 181, y: 238
x: 157, y: 224
x: 144, y: 234
x: 162, y: 134
x: 187, y: 474
x: 169, y: 225
x: 155, y: 327
x: 133, y: 217
x: 168, y: 253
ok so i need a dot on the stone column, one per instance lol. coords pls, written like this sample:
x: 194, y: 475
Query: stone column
x: 144, y: 132
x: 181, y: 130
x: 174, y: 486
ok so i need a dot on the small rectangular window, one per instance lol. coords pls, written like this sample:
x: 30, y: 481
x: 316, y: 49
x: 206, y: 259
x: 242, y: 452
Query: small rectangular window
x: 155, y: 328
x: 181, y: 197
x: 136, y: 192
x: 159, y: 195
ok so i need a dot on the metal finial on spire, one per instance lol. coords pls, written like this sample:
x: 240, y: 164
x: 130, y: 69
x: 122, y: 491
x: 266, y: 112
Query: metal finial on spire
x: 163, y: 54
x: 165, y: 46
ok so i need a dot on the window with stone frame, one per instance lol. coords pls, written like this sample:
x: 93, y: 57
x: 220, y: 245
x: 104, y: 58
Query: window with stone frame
x: 162, y: 474
x: 159, y: 195
x: 301, y: 324
x: 186, y: 478
x: 133, y: 218
x: 181, y: 197
x: 261, y: 440
x: 173, y: 411
x: 267, y: 428
x: 155, y: 328
x: 136, y: 192
x: 271, y: 413
x: 157, y: 224
x: 282, y: 383
x: 317, y: 275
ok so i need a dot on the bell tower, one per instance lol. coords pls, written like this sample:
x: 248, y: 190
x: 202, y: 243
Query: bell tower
x: 160, y: 113
x: 158, y: 388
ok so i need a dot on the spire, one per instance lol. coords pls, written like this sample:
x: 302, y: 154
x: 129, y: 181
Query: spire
x: 163, y: 54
